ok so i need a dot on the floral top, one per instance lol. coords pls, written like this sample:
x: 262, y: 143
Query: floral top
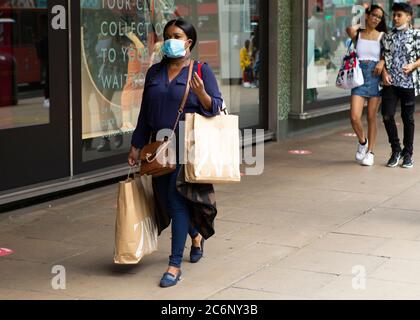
x: 398, y: 49
x: 400, y: 59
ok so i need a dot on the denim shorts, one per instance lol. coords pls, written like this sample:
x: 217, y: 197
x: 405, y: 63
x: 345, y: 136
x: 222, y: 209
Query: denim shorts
x: 371, y: 87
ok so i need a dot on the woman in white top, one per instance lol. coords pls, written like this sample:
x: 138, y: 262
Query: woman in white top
x: 368, y: 50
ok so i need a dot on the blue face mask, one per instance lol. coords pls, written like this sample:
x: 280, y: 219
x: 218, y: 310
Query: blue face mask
x: 174, y: 48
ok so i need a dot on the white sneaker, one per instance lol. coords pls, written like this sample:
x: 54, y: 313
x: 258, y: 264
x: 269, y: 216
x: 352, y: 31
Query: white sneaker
x: 247, y: 85
x: 361, y: 151
x: 368, y: 160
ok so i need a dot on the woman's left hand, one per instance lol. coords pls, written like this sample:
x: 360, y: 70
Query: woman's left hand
x: 197, y: 85
x: 379, y: 68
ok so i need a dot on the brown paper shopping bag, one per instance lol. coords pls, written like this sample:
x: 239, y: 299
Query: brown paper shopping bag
x: 135, y: 228
x: 212, y: 151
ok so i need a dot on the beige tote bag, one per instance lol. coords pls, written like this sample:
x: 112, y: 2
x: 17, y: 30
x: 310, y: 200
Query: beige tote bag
x: 135, y: 228
x: 212, y: 152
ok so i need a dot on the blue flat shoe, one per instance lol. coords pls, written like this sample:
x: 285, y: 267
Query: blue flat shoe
x: 197, y: 253
x: 169, y: 280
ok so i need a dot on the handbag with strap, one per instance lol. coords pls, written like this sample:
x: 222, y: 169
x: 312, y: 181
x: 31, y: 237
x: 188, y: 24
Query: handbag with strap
x: 159, y: 158
x: 350, y: 74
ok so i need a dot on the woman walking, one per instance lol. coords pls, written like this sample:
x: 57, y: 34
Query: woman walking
x: 164, y: 88
x: 369, y: 52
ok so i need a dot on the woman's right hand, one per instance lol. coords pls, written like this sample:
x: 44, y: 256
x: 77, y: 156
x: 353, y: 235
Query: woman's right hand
x: 133, y: 156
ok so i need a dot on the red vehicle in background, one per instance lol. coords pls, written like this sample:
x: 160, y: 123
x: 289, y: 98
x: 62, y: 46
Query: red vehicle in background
x: 19, y: 61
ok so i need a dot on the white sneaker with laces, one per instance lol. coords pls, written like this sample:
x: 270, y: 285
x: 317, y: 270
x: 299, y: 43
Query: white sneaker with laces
x: 368, y: 160
x: 361, y: 151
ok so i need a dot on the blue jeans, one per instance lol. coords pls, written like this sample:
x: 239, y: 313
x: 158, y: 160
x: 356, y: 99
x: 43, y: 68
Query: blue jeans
x: 179, y: 213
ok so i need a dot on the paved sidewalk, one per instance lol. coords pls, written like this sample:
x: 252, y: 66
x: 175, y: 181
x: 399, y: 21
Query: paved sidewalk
x: 298, y: 231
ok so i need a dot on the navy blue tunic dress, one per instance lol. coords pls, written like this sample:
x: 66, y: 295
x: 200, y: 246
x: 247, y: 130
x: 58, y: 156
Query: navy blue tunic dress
x: 159, y: 110
x: 161, y: 100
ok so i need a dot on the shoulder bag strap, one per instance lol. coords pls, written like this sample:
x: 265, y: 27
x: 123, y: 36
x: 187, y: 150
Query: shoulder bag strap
x: 357, y: 39
x: 184, y: 99
x: 187, y: 89
x: 354, y: 43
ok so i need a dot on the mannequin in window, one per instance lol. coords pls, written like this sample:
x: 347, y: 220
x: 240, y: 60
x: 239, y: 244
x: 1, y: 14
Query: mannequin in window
x: 132, y: 91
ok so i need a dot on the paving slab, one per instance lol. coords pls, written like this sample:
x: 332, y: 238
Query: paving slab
x: 282, y: 281
x: 387, y: 223
x: 399, y: 270
x: 343, y: 289
x: 336, y: 263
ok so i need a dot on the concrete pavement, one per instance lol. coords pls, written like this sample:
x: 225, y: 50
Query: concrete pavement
x: 311, y: 227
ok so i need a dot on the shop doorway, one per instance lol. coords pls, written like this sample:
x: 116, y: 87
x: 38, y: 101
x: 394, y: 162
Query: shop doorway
x: 34, y: 99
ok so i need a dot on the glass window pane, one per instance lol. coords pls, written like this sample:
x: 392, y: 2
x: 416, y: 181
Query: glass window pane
x: 115, y: 62
x: 24, y: 85
x: 327, y: 44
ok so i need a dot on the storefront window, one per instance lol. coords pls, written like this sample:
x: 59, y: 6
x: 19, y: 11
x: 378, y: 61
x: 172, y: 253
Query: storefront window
x: 327, y: 42
x: 122, y: 39
x: 24, y: 85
